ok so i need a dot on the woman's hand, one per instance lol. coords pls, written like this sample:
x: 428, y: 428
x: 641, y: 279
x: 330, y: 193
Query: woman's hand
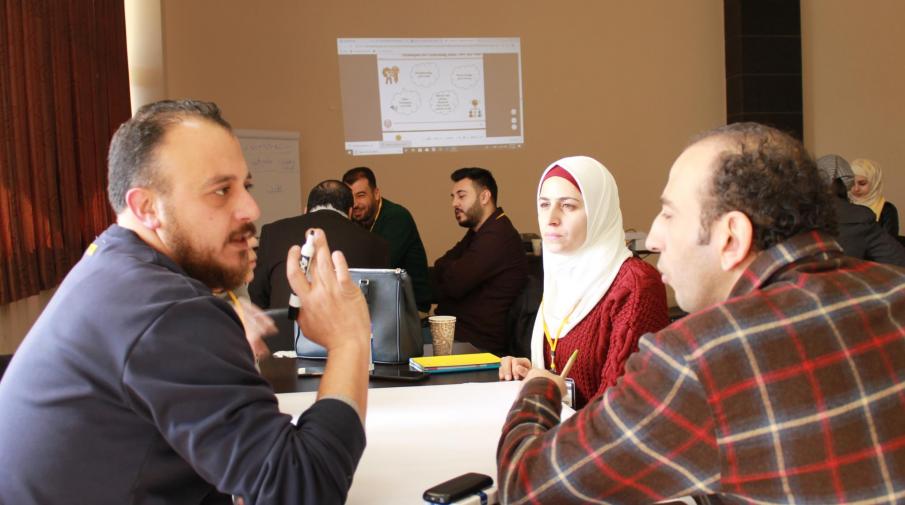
x: 514, y: 368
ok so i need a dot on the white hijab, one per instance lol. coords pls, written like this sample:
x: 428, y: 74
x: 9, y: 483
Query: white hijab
x: 581, y: 277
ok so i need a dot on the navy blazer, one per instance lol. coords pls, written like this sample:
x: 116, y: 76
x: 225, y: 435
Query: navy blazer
x: 362, y: 249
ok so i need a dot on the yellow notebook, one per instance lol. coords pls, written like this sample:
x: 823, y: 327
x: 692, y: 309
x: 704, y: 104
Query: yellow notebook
x: 455, y: 362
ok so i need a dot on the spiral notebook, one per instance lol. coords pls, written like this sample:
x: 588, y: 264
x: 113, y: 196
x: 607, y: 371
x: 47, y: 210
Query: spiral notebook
x: 455, y: 362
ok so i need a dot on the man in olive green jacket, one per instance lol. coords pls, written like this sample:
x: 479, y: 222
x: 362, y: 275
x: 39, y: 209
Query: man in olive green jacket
x: 394, y: 223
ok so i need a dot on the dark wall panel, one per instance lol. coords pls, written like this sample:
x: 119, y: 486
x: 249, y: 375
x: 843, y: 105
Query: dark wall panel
x: 763, y: 63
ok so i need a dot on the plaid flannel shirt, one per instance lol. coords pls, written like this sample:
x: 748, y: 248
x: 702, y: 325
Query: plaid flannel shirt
x: 791, y: 391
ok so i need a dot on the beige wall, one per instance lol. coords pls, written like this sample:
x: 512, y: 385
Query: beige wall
x: 16, y: 319
x: 854, y: 104
x: 625, y: 82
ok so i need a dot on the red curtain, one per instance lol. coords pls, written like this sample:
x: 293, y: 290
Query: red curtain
x: 64, y: 89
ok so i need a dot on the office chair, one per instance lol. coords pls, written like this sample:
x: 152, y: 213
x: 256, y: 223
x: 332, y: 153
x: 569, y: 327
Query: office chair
x: 521, y: 316
x: 4, y: 362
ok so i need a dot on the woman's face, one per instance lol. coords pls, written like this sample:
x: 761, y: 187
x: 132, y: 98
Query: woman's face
x: 561, y: 216
x: 861, y: 186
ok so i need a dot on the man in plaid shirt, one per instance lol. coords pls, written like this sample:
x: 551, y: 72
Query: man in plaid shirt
x: 785, y: 385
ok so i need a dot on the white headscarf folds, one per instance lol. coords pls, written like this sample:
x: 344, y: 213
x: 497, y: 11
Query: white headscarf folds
x: 574, y: 282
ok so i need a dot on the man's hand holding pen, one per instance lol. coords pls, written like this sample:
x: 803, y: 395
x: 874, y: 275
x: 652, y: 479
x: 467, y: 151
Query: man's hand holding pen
x: 333, y: 308
x: 560, y: 379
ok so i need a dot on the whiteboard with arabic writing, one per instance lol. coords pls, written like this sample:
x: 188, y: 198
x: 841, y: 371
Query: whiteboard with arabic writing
x: 273, y: 160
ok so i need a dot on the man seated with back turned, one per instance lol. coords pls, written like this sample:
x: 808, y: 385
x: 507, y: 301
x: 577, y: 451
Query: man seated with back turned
x: 136, y: 385
x: 394, y: 223
x: 785, y: 384
x: 480, y: 277
x: 329, y: 208
x: 860, y: 235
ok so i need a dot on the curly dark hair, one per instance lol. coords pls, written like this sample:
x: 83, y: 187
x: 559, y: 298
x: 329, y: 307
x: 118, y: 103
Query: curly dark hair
x: 130, y: 161
x: 769, y: 176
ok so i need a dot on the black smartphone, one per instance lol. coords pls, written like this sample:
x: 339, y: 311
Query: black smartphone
x: 399, y: 375
x: 459, y: 487
x: 311, y: 371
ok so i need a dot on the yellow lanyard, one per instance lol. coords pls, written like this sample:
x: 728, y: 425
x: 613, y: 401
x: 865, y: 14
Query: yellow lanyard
x: 239, y: 310
x: 379, y: 207
x: 553, y: 341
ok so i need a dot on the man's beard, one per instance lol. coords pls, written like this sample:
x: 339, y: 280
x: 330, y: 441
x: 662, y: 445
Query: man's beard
x: 472, y: 216
x: 204, y: 265
x: 367, y: 218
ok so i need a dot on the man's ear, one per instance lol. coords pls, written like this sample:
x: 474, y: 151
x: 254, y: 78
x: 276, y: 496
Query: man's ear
x: 737, y: 239
x: 377, y: 194
x: 485, y: 196
x: 141, y: 204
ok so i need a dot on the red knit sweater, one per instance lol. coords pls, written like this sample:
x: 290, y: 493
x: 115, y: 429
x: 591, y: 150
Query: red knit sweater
x: 634, y: 305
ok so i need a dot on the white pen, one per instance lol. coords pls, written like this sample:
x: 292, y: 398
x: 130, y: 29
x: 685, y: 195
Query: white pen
x: 307, y: 253
x: 304, y: 264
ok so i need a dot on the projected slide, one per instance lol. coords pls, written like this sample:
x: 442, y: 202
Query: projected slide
x: 418, y: 95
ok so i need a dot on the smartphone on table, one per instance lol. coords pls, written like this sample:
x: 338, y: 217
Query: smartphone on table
x: 311, y: 371
x: 458, y: 488
x: 398, y: 375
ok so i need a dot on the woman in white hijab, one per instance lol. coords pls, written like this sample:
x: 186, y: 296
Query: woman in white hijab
x: 868, y: 191
x: 598, y: 299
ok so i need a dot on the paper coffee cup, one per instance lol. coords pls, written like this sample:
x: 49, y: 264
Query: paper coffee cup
x: 536, y: 246
x: 443, y: 330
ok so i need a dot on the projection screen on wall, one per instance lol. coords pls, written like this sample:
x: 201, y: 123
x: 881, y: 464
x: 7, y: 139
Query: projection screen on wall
x: 422, y: 95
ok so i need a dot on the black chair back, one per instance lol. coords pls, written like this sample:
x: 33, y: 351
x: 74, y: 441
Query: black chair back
x: 284, y: 340
x: 4, y: 362
x: 521, y: 316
